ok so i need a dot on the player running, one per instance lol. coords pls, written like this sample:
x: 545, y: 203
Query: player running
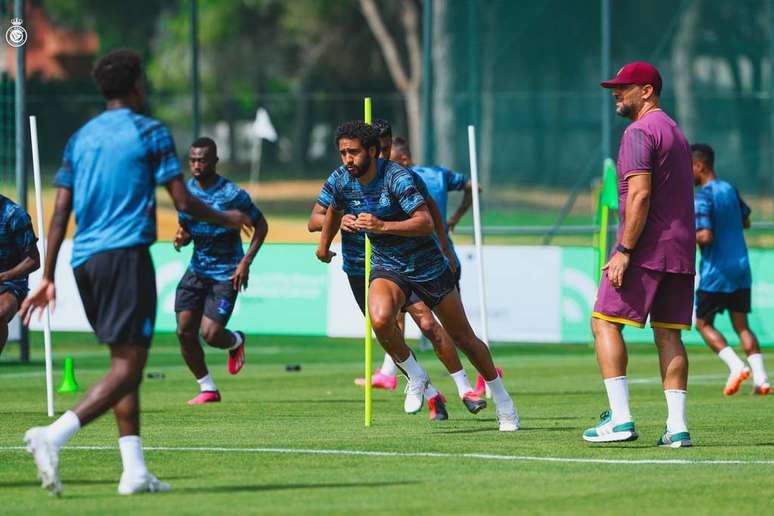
x: 18, y: 258
x: 219, y: 269
x: 651, y: 271
x: 386, y: 202
x: 353, y: 251
x: 721, y: 217
x: 109, y: 174
x: 440, y: 181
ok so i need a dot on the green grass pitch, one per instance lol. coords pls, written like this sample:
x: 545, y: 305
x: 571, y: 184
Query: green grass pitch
x: 557, y: 390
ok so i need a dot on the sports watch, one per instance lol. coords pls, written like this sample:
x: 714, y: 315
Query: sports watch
x: 625, y: 250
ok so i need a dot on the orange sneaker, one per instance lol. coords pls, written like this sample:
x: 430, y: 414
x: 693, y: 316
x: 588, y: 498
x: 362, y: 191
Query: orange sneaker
x: 735, y: 381
x: 762, y: 389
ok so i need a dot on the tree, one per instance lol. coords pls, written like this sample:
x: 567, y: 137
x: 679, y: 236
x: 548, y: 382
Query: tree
x: 407, y: 79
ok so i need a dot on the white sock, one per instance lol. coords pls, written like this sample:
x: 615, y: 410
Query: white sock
x: 499, y: 394
x: 675, y: 399
x: 462, y: 382
x: 206, y: 383
x: 732, y: 360
x: 388, y: 366
x: 131, y: 456
x: 237, y: 339
x: 618, y: 396
x: 61, y: 430
x: 430, y: 391
x: 759, y: 373
x: 412, y: 367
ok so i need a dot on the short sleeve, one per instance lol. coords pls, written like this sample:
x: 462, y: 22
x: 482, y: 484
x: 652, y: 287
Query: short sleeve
x: 455, y: 181
x: 404, y: 187
x: 245, y: 204
x: 421, y: 185
x: 162, y: 154
x: 23, y: 234
x: 64, y: 176
x: 636, y: 152
x: 326, y: 193
x: 703, y: 205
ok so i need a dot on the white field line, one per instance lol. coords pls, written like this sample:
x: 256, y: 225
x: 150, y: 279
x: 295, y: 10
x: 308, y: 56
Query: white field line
x: 432, y: 455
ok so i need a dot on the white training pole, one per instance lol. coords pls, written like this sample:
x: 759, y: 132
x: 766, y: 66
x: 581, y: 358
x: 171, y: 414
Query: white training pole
x: 477, y: 236
x: 42, y: 237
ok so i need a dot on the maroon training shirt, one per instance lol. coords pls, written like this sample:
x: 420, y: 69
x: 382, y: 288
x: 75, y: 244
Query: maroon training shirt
x: 655, y: 144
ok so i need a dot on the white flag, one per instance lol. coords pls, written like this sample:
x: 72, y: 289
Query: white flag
x: 262, y: 126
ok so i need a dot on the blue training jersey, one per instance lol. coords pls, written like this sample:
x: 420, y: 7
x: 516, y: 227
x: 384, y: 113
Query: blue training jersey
x: 112, y: 165
x: 352, y: 244
x: 217, y: 250
x: 725, y: 266
x: 393, y: 195
x: 16, y: 239
x: 440, y: 181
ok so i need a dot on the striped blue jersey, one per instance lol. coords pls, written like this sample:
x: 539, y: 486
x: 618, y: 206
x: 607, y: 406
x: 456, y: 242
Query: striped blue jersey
x: 217, y: 250
x: 393, y: 195
x: 16, y: 239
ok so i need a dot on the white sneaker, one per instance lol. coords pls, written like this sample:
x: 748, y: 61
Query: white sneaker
x: 508, y: 418
x: 415, y: 394
x: 46, y: 457
x: 144, y: 484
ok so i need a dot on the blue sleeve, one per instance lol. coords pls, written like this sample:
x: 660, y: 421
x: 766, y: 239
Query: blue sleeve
x: 455, y: 181
x: 64, y: 176
x: 184, y: 220
x: 162, y: 154
x: 405, y: 189
x: 421, y: 185
x: 703, y: 205
x: 23, y: 235
x: 326, y: 193
x: 244, y: 203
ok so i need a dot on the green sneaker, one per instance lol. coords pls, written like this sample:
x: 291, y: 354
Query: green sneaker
x: 676, y: 440
x: 606, y: 432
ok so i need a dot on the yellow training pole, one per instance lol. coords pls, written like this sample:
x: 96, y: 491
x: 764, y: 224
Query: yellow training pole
x: 368, y: 346
x: 603, y: 232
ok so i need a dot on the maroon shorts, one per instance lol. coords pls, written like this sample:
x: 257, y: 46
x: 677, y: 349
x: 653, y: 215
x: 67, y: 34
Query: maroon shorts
x: 667, y: 297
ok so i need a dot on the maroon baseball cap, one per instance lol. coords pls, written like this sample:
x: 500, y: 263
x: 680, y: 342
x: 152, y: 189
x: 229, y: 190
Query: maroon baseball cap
x: 638, y: 72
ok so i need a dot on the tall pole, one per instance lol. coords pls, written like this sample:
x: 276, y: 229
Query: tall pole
x: 195, y: 68
x: 767, y: 177
x: 604, y: 75
x: 427, y: 81
x: 474, y: 69
x: 21, y: 150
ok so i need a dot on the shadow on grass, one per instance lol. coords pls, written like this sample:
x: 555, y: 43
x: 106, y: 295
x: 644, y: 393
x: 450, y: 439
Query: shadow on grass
x: 79, y: 481
x: 246, y: 488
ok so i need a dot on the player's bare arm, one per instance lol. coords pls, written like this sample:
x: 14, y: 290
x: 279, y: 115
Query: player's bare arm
x: 704, y: 237
x: 420, y: 223
x: 45, y: 293
x: 317, y: 219
x: 29, y: 263
x: 637, y: 206
x: 189, y: 204
x: 462, y: 209
x: 746, y: 224
x: 242, y: 273
x: 330, y: 228
x: 443, y: 239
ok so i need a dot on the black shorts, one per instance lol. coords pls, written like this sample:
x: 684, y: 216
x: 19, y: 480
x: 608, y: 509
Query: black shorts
x: 414, y: 297
x: 118, y: 291
x: 430, y: 292
x: 198, y: 293
x: 709, y: 304
x: 357, y: 285
x: 18, y: 293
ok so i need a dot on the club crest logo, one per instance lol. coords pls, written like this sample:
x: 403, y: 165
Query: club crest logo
x: 16, y: 35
